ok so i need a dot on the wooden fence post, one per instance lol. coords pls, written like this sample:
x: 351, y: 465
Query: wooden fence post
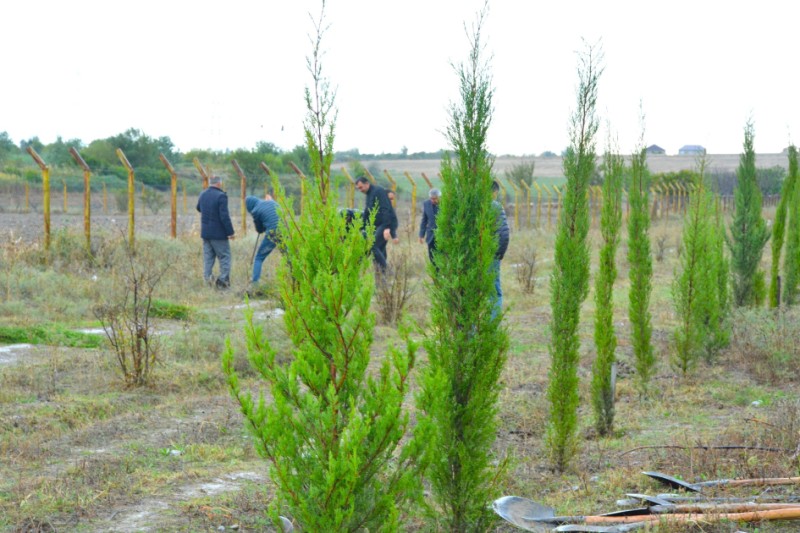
x: 173, y: 188
x: 131, y: 198
x: 45, y: 192
x: 87, y: 196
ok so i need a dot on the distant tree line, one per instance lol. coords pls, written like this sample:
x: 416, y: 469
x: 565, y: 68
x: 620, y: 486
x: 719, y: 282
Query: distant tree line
x: 143, y: 153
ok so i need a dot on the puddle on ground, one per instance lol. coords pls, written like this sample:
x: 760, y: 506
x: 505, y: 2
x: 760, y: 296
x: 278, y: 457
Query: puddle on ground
x: 243, y: 306
x: 12, y: 352
x: 92, y: 331
x: 102, y: 332
x: 138, y: 519
x: 227, y: 483
x: 266, y: 315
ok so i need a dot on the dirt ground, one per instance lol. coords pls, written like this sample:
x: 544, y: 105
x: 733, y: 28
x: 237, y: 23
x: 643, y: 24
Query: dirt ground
x: 81, y: 452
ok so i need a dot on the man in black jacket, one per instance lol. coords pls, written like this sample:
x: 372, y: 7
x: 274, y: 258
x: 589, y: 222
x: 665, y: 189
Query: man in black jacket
x: 502, y: 245
x: 216, y: 230
x: 430, y: 208
x: 377, y: 201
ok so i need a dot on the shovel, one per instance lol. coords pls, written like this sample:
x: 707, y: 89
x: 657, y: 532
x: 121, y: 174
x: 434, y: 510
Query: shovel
x: 698, y: 487
x: 677, y: 498
x: 531, y: 516
x: 620, y: 528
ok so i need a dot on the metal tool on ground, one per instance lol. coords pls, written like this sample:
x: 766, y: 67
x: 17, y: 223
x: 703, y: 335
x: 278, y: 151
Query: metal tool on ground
x: 699, y: 497
x: 652, y: 500
x: 704, y: 507
x: 698, y: 487
x: 516, y: 511
x: 532, y: 516
x: 586, y: 528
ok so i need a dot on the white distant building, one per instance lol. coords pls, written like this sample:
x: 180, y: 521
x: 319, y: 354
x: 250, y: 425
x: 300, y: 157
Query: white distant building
x: 655, y: 149
x: 692, y: 149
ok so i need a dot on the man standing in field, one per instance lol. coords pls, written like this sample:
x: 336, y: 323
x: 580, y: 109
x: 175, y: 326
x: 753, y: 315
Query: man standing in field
x: 377, y: 201
x: 265, y: 219
x: 503, y: 234
x: 430, y: 208
x: 216, y: 231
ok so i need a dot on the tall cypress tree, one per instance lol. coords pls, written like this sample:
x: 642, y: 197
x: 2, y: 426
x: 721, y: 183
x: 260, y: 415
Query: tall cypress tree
x: 790, y: 196
x: 331, y: 431
x: 641, y: 270
x: 569, y: 282
x: 748, y: 230
x: 605, y: 337
x: 779, y: 228
x: 467, y: 346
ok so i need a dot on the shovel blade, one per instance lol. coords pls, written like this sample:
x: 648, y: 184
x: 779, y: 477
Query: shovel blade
x: 671, y: 481
x: 523, y: 512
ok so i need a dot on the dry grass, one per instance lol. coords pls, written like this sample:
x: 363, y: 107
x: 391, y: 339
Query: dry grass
x: 82, y: 452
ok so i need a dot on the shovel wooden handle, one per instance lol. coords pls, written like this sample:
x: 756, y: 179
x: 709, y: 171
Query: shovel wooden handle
x: 720, y: 507
x: 751, y: 482
x: 792, y: 513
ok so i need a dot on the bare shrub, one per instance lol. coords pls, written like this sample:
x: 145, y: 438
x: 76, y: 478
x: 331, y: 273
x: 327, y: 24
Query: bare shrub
x: 784, y: 427
x: 395, y: 287
x: 768, y: 343
x: 154, y: 200
x: 661, y: 247
x: 526, y: 269
x: 126, y: 317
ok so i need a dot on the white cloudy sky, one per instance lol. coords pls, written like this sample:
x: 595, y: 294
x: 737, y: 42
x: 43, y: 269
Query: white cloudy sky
x: 229, y: 74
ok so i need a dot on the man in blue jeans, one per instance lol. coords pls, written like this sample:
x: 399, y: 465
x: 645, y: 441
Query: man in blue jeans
x: 216, y: 230
x: 502, y: 245
x: 266, y: 220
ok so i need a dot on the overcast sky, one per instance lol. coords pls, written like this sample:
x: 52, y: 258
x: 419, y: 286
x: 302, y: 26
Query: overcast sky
x: 212, y: 74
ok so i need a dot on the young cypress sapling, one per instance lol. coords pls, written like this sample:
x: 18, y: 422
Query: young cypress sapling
x: 748, y: 230
x: 791, y: 261
x: 569, y: 282
x: 779, y: 229
x: 641, y: 270
x: 605, y: 337
x: 467, y: 345
x: 694, y: 283
x: 330, y: 428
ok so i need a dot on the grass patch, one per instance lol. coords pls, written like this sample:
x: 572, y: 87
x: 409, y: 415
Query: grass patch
x: 51, y: 335
x: 170, y: 310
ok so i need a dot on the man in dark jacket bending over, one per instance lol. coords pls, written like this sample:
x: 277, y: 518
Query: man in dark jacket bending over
x: 216, y: 230
x: 265, y: 219
x: 385, y: 218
